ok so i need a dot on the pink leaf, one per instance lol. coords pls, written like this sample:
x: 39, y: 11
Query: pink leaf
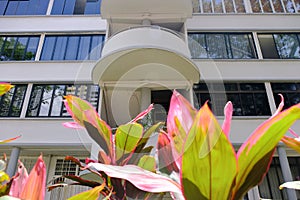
x: 19, y: 181
x: 73, y: 125
x: 36, y: 184
x: 142, y: 114
x: 142, y: 179
x: 280, y: 107
x: 228, y: 110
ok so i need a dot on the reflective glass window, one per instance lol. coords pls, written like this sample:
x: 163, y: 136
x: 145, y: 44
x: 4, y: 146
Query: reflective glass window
x: 18, y: 47
x: 23, y: 7
x: 280, y: 45
x: 76, y: 7
x: 11, y: 102
x: 275, y: 6
x: 222, y: 45
x: 218, y: 6
x: 290, y: 92
x: 74, y: 47
x: 47, y: 100
x: 249, y: 99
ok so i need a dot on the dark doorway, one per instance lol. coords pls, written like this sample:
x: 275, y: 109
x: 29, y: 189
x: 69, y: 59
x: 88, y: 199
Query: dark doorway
x: 161, y: 100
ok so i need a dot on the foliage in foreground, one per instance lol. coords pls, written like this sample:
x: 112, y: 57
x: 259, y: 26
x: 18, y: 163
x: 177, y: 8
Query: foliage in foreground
x: 195, y: 147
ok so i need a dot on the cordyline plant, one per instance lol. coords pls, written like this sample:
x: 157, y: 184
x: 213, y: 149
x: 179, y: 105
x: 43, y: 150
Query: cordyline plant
x: 195, y: 146
x: 22, y: 185
x: 126, y: 146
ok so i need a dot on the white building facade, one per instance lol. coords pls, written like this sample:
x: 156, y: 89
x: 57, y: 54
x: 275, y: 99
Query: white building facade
x: 122, y: 55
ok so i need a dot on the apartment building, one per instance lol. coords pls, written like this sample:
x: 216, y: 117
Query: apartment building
x: 122, y: 55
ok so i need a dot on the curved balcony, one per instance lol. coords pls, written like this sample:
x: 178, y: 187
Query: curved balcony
x: 146, y: 53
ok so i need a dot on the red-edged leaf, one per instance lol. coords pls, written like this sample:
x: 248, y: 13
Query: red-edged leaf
x: 126, y: 139
x: 259, y: 145
x: 36, y: 184
x: 228, y: 110
x: 9, y: 140
x: 166, y: 160
x: 293, y: 143
x: 19, y: 181
x: 139, y: 177
x: 209, y: 164
x: 142, y: 114
x: 85, y: 115
x: 179, y: 121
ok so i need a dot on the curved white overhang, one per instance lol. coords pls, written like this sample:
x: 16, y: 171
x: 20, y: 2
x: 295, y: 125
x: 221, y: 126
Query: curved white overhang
x: 149, y: 67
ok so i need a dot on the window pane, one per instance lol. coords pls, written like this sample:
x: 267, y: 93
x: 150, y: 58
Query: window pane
x: 22, y: 8
x: 20, y: 48
x: 297, y: 3
x: 207, y: 8
x: 266, y: 6
x: 97, y: 44
x: 48, y: 48
x: 290, y: 92
x: 79, y: 7
x: 255, y: 6
x: 84, y: 47
x: 241, y: 46
x: 92, y: 7
x: 60, y: 48
x: 18, y: 101
x: 289, y: 7
x: 197, y: 45
x: 287, y: 45
x: 35, y: 100
x: 11, y: 8
x: 58, y: 7
x: 240, y: 7
x: 38, y: 7
x: 3, y: 5
x: 229, y: 6
x: 267, y: 46
x: 216, y: 46
x: 11, y: 102
x: 72, y: 48
x: 68, y: 7
x: 32, y: 48
x: 218, y: 8
x: 58, y: 100
x: 46, y: 101
x: 8, y: 48
x: 277, y: 6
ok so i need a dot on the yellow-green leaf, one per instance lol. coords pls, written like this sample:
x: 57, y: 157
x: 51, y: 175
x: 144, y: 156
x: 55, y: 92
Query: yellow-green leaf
x: 148, y: 163
x: 5, y: 87
x: 209, y: 162
x: 92, y: 194
x: 127, y: 138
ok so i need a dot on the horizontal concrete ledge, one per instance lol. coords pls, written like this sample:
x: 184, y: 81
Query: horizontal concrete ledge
x: 244, y: 22
x: 52, y: 71
x: 250, y: 70
x: 52, y: 23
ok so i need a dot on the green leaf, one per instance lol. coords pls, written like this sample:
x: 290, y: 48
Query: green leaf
x: 147, y: 134
x: 90, y: 194
x: 209, y: 163
x: 127, y: 138
x: 258, y: 146
x: 293, y: 143
x: 148, y: 163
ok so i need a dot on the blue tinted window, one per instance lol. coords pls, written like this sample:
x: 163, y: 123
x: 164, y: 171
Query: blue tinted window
x: 72, y: 47
x: 23, y: 7
x: 18, y: 47
x: 60, y: 48
x: 76, y: 7
x: 72, y: 50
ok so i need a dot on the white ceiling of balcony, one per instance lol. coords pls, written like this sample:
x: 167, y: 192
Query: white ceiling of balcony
x: 145, y: 9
